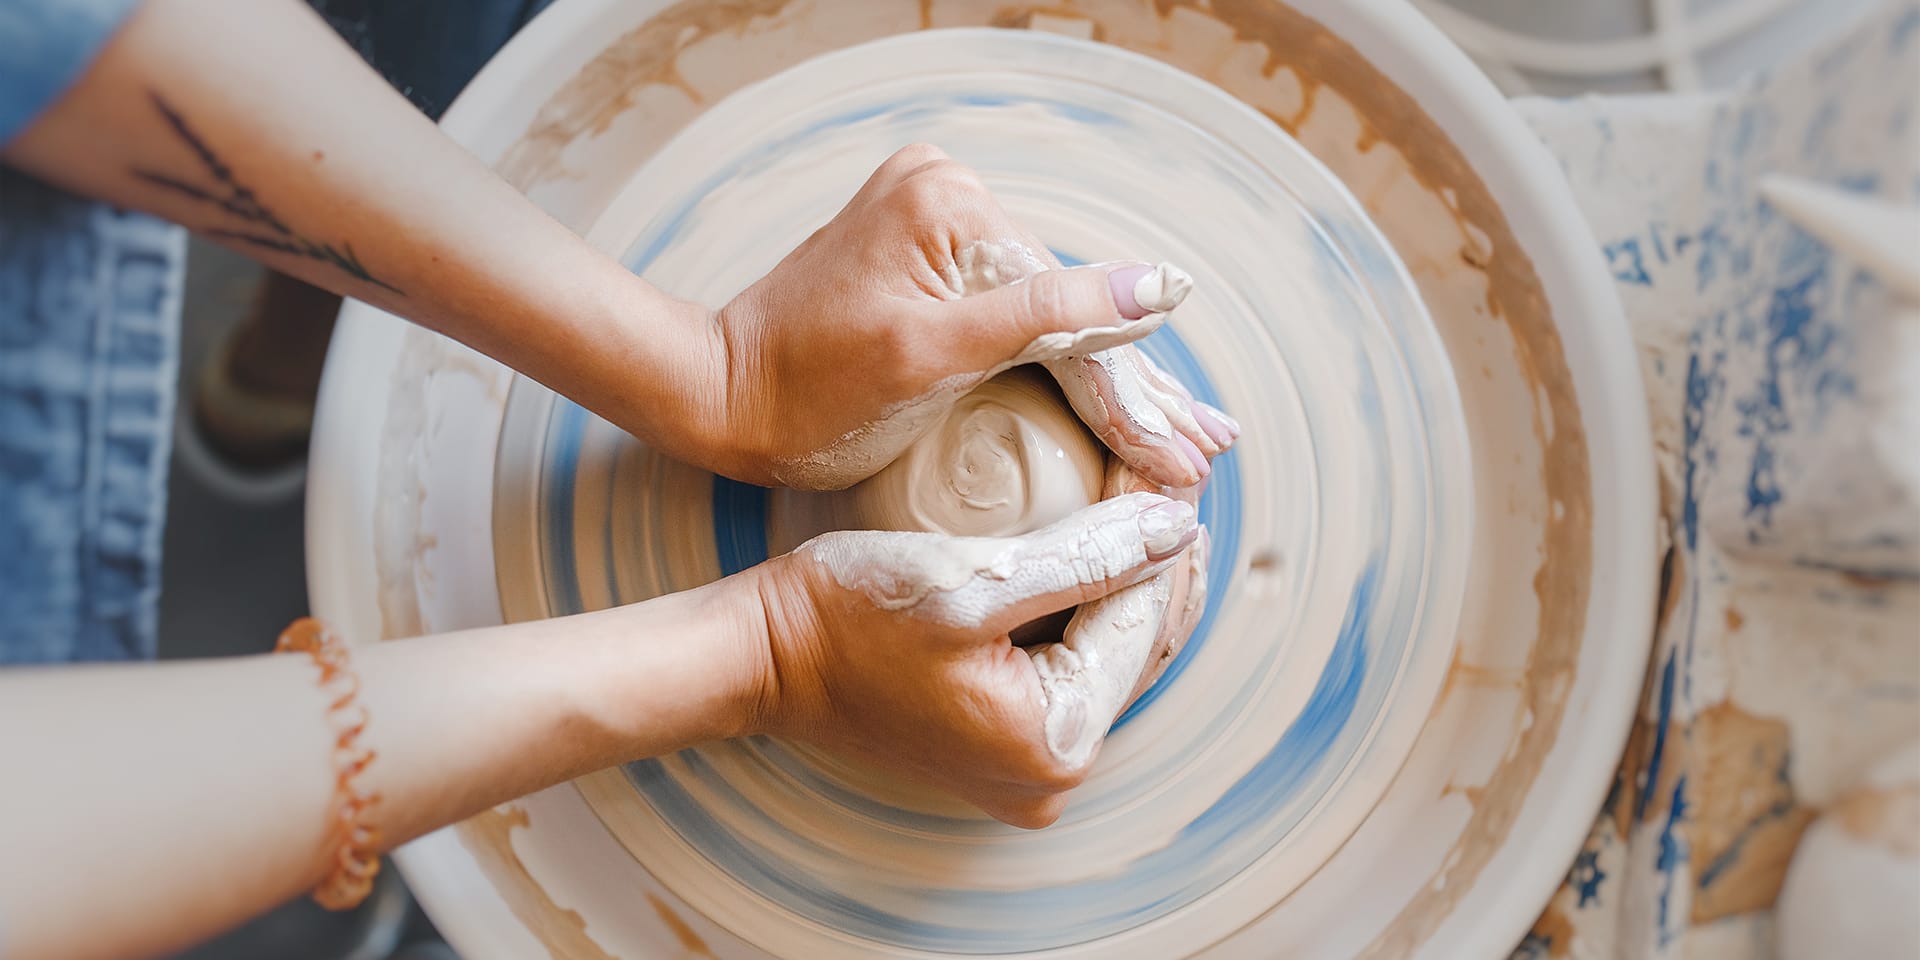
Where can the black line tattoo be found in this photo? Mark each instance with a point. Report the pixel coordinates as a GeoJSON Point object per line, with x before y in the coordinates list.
{"type": "Point", "coordinates": [259, 227]}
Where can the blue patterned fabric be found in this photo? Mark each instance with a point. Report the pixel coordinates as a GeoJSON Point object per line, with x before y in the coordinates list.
{"type": "Point", "coordinates": [44, 47]}
{"type": "Point", "coordinates": [89, 311]}
{"type": "Point", "coordinates": [89, 330]}
{"type": "Point", "coordinates": [89, 340]}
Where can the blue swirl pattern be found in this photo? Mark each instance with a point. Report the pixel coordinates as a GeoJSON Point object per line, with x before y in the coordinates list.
{"type": "Point", "coordinates": [1390, 406]}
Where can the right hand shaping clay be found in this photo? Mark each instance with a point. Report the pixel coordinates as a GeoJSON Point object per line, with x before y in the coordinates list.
{"type": "Point", "coordinates": [1005, 460]}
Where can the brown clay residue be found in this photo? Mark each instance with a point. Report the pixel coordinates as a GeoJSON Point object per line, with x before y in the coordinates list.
{"type": "Point", "coordinates": [1743, 821]}
{"type": "Point", "coordinates": [1020, 17]}
{"type": "Point", "coordinates": [1389, 115]}
{"type": "Point", "coordinates": [1734, 620]}
{"type": "Point", "coordinates": [1866, 581]}
{"type": "Point", "coordinates": [1885, 817]}
{"type": "Point", "coordinates": [1514, 296]}
{"type": "Point", "coordinates": [1464, 674]}
{"type": "Point", "coordinates": [1309, 92]}
{"type": "Point", "coordinates": [1476, 255]}
{"type": "Point", "coordinates": [604, 89]}
{"type": "Point", "coordinates": [690, 941]}
{"type": "Point", "coordinates": [489, 837]}
{"type": "Point", "coordinates": [1553, 930]}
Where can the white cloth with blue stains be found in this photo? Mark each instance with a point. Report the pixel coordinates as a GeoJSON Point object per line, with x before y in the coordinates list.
{"type": "Point", "coordinates": [1784, 664]}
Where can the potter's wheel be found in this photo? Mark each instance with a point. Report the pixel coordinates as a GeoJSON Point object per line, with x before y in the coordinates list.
{"type": "Point", "coordinates": [1340, 523]}
{"type": "Point", "coordinates": [1368, 744]}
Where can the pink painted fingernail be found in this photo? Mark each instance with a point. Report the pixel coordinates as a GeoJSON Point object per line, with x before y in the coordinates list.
{"type": "Point", "coordinates": [1140, 290]}
{"type": "Point", "coordinates": [1167, 528]}
{"type": "Point", "coordinates": [1192, 452]}
{"type": "Point", "coordinates": [1222, 428]}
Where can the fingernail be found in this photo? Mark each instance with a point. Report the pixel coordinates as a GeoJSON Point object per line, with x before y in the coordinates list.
{"type": "Point", "coordinates": [1167, 529]}
{"type": "Point", "coordinates": [1218, 425]}
{"type": "Point", "coordinates": [1139, 290]}
{"type": "Point", "coordinates": [1192, 452]}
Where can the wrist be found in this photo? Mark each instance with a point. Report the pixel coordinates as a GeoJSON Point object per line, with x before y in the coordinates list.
{"type": "Point", "coordinates": [689, 668]}
{"type": "Point", "coordinates": [738, 611]}
{"type": "Point", "coordinates": [754, 603]}
{"type": "Point", "coordinates": [708, 432]}
{"type": "Point", "coordinates": [737, 442]}
{"type": "Point", "coordinates": [790, 694]}
{"type": "Point", "coordinates": [662, 372]}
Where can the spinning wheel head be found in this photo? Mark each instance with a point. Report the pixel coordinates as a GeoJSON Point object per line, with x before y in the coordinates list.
{"type": "Point", "coordinates": [1415, 664]}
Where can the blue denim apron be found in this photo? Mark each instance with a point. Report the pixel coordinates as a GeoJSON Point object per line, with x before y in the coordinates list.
{"type": "Point", "coordinates": [89, 331]}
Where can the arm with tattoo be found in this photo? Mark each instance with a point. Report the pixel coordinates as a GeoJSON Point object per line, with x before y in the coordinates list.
{"type": "Point", "coordinates": [252, 124]}
{"type": "Point", "coordinates": [253, 223]}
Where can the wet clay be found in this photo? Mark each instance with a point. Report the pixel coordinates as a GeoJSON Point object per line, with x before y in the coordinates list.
{"type": "Point", "coordinates": [1010, 457]}
{"type": "Point", "coordinates": [1006, 459]}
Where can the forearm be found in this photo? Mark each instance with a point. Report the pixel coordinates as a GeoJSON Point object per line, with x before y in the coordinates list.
{"type": "Point", "coordinates": [479, 717]}
{"type": "Point", "coordinates": [190, 796]}
{"type": "Point", "coordinates": [253, 124]}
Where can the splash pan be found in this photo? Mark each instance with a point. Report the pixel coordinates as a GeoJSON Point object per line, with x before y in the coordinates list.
{"type": "Point", "coordinates": [1434, 558]}
{"type": "Point", "coordinates": [1342, 523]}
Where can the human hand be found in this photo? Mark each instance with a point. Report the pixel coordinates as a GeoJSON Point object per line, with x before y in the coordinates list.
{"type": "Point", "coordinates": [895, 647]}
{"type": "Point", "coordinates": [1148, 622]}
{"type": "Point", "coordinates": [918, 291]}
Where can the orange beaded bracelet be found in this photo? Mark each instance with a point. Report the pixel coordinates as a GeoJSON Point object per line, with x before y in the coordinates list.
{"type": "Point", "coordinates": [356, 859]}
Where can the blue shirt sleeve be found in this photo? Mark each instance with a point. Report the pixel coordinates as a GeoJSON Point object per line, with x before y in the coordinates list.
{"type": "Point", "coordinates": [44, 47]}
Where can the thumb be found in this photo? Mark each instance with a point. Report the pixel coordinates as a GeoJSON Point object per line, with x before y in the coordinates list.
{"type": "Point", "coordinates": [1113, 650]}
{"type": "Point", "coordinates": [1062, 313]}
{"type": "Point", "coordinates": [1089, 554]}
{"type": "Point", "coordinates": [1087, 678]}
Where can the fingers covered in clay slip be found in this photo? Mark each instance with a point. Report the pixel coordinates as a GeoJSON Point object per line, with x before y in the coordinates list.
{"type": "Point", "coordinates": [995, 584]}
{"type": "Point", "coordinates": [1146, 417]}
{"type": "Point", "coordinates": [900, 651]}
{"type": "Point", "coordinates": [1117, 645]}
